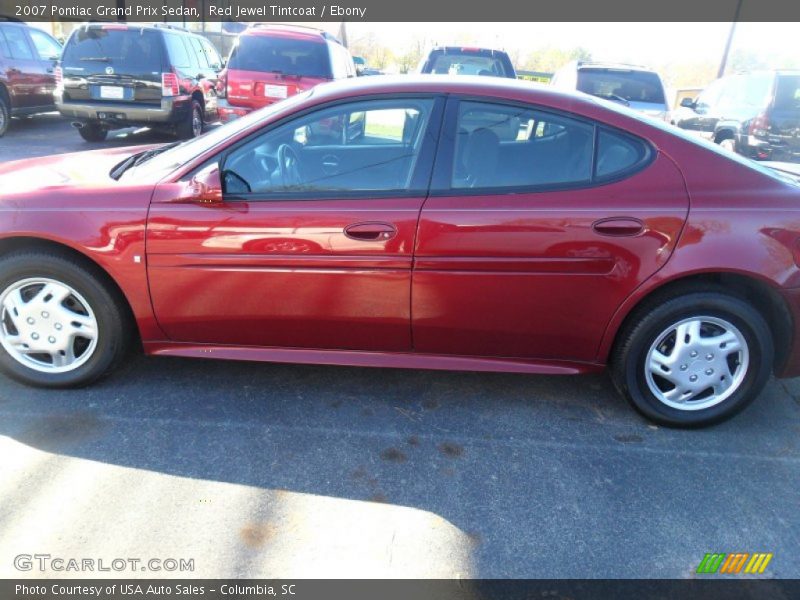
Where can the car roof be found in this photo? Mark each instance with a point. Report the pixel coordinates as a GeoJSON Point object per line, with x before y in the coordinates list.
{"type": "Point", "coordinates": [144, 26]}
{"type": "Point", "coordinates": [289, 31]}
{"type": "Point", "coordinates": [499, 87]}
{"type": "Point", "coordinates": [612, 65]}
{"type": "Point", "coordinates": [466, 48]}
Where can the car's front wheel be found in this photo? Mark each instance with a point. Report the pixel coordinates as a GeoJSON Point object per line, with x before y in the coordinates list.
{"type": "Point", "coordinates": [5, 115]}
{"type": "Point", "coordinates": [60, 324]}
{"type": "Point", "coordinates": [694, 359]}
{"type": "Point", "coordinates": [192, 124]}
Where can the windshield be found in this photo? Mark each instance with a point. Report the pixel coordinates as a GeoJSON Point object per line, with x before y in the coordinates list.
{"type": "Point", "coordinates": [303, 58]}
{"type": "Point", "coordinates": [177, 156]}
{"type": "Point", "coordinates": [631, 86]}
{"type": "Point", "coordinates": [132, 51]}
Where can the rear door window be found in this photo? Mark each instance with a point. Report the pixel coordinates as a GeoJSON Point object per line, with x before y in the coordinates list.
{"type": "Point", "coordinates": [622, 84]}
{"type": "Point", "coordinates": [128, 51]}
{"type": "Point", "coordinates": [46, 47]}
{"type": "Point", "coordinates": [4, 52]}
{"type": "Point", "coordinates": [304, 58]}
{"type": "Point", "coordinates": [18, 46]}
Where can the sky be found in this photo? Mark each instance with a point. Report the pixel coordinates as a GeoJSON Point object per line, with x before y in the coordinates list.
{"type": "Point", "coordinates": [628, 42]}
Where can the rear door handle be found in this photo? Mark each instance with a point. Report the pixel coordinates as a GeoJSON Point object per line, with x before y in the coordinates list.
{"type": "Point", "coordinates": [618, 226]}
{"type": "Point", "coordinates": [369, 232]}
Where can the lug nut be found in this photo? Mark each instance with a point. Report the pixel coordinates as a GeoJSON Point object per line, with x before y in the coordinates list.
{"type": "Point", "coordinates": [45, 314]}
{"type": "Point", "coordinates": [684, 367]}
{"type": "Point", "coordinates": [51, 339]}
{"type": "Point", "coordinates": [709, 371]}
{"type": "Point", "coordinates": [709, 357]}
{"type": "Point", "coordinates": [35, 336]}
{"type": "Point", "coordinates": [31, 320]}
{"type": "Point", "coordinates": [58, 326]}
{"type": "Point", "coordinates": [693, 353]}
{"type": "Point", "coordinates": [693, 378]}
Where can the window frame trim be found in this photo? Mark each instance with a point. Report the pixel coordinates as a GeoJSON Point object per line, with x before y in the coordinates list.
{"type": "Point", "coordinates": [420, 177]}
{"type": "Point", "coordinates": [441, 181]}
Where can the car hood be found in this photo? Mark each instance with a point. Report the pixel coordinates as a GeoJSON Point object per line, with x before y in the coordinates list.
{"type": "Point", "coordinates": [77, 169]}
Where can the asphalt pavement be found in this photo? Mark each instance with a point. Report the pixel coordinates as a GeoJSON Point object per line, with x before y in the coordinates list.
{"type": "Point", "coordinates": [269, 470]}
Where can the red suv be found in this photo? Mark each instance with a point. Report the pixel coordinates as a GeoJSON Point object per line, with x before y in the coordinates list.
{"type": "Point", "coordinates": [27, 61]}
{"type": "Point", "coordinates": [270, 62]}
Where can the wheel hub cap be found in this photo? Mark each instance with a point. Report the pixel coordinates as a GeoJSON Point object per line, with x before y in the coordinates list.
{"type": "Point", "coordinates": [697, 363]}
{"type": "Point", "coordinates": [46, 325]}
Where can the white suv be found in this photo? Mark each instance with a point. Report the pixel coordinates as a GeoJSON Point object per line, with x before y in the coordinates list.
{"type": "Point", "coordinates": [636, 87]}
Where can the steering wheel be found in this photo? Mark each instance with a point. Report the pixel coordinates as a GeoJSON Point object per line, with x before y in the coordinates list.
{"type": "Point", "coordinates": [289, 166]}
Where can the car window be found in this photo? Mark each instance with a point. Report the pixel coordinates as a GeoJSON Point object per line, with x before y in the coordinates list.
{"type": "Point", "coordinates": [178, 54]}
{"type": "Point", "coordinates": [128, 50]}
{"type": "Point", "coordinates": [4, 52]}
{"type": "Point", "coordinates": [617, 153]}
{"type": "Point", "coordinates": [787, 93]}
{"type": "Point", "coordinates": [709, 97]}
{"type": "Point", "coordinates": [17, 44]}
{"type": "Point", "coordinates": [628, 85]}
{"type": "Point", "coordinates": [304, 58]}
{"type": "Point", "coordinates": [363, 146]}
{"type": "Point", "coordinates": [507, 146]}
{"type": "Point", "coordinates": [46, 47]}
{"type": "Point", "coordinates": [454, 63]}
{"type": "Point", "coordinates": [212, 56]}
{"type": "Point", "coordinates": [199, 53]}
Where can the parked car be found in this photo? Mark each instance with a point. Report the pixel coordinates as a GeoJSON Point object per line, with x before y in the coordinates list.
{"type": "Point", "coordinates": [464, 223]}
{"type": "Point", "coordinates": [27, 61]}
{"type": "Point", "coordinates": [115, 75]}
{"type": "Point", "coordinates": [754, 114]}
{"type": "Point", "coordinates": [270, 62]}
{"type": "Point", "coordinates": [638, 88]}
{"type": "Point", "coordinates": [456, 60]}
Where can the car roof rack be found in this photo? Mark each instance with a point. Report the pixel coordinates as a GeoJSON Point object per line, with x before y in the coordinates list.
{"type": "Point", "coordinates": [171, 26]}
{"type": "Point", "coordinates": [611, 65]}
{"type": "Point", "coordinates": [308, 28]}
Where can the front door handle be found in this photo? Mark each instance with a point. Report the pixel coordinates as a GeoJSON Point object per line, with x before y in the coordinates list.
{"type": "Point", "coordinates": [370, 232]}
{"type": "Point", "coordinates": [618, 226]}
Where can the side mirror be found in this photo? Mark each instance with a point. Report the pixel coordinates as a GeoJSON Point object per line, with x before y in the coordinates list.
{"type": "Point", "coordinates": [688, 103]}
{"type": "Point", "coordinates": [205, 187]}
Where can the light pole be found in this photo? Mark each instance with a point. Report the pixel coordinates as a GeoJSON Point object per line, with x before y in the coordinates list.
{"type": "Point", "coordinates": [730, 39]}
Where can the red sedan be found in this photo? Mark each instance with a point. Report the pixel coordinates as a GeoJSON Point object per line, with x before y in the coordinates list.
{"type": "Point", "coordinates": [446, 223]}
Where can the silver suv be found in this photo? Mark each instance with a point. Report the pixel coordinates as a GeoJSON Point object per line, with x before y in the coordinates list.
{"type": "Point", "coordinates": [639, 88]}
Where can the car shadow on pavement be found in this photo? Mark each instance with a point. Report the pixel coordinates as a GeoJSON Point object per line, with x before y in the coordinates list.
{"type": "Point", "coordinates": [545, 468]}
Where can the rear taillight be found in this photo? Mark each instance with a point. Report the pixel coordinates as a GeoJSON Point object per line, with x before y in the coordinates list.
{"type": "Point", "coordinates": [759, 126]}
{"type": "Point", "coordinates": [58, 75]}
{"type": "Point", "coordinates": [169, 84]}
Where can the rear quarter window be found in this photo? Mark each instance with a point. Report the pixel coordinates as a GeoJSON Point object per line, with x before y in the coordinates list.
{"type": "Point", "coordinates": [617, 155]}
{"type": "Point", "coordinates": [787, 93]}
{"type": "Point", "coordinates": [178, 53]}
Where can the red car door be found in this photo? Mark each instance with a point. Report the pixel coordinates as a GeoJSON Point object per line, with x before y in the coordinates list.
{"type": "Point", "coordinates": [25, 75]}
{"type": "Point", "coordinates": [311, 245]}
{"type": "Point", "coordinates": [528, 243]}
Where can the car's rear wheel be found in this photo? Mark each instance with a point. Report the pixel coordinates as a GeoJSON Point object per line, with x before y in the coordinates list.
{"type": "Point", "coordinates": [5, 115]}
{"type": "Point", "coordinates": [728, 144]}
{"type": "Point", "coordinates": [60, 325]}
{"type": "Point", "coordinates": [93, 132]}
{"type": "Point", "coordinates": [694, 359]}
{"type": "Point", "coordinates": [192, 125]}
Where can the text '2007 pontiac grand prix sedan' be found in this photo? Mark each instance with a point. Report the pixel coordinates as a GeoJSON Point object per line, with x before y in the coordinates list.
{"type": "Point", "coordinates": [425, 223]}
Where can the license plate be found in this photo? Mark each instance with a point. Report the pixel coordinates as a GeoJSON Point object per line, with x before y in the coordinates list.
{"type": "Point", "coordinates": [112, 92]}
{"type": "Point", "coordinates": [275, 91]}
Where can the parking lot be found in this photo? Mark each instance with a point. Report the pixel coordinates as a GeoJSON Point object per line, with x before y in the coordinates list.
{"type": "Point", "coordinates": [259, 470]}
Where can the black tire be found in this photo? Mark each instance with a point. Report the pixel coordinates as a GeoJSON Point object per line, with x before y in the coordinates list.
{"type": "Point", "coordinates": [113, 323]}
{"type": "Point", "coordinates": [188, 127]}
{"type": "Point", "coordinates": [5, 115]}
{"type": "Point", "coordinates": [93, 132]}
{"type": "Point", "coordinates": [628, 370]}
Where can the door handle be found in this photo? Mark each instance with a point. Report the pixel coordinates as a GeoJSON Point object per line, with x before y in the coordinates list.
{"type": "Point", "coordinates": [370, 232]}
{"type": "Point", "coordinates": [618, 226]}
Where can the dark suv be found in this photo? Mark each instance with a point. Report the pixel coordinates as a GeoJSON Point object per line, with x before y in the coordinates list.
{"type": "Point", "coordinates": [456, 60]}
{"type": "Point", "coordinates": [116, 75]}
{"type": "Point", "coordinates": [27, 62]}
{"type": "Point", "coordinates": [755, 114]}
